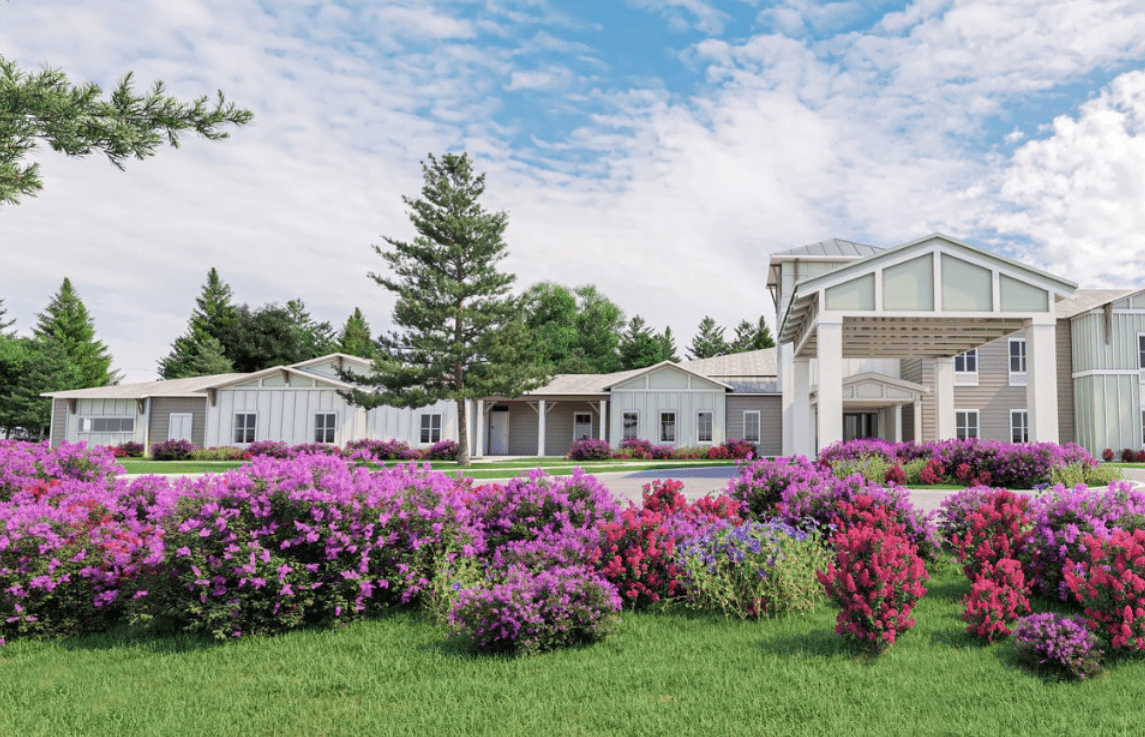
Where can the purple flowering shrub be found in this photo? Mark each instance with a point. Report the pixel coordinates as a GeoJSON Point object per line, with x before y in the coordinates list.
{"type": "Point", "coordinates": [269, 449]}
{"type": "Point", "coordinates": [760, 485]}
{"type": "Point", "coordinates": [443, 450]}
{"type": "Point", "coordinates": [636, 448]}
{"type": "Point", "coordinates": [530, 611]}
{"type": "Point", "coordinates": [23, 464]}
{"type": "Point", "coordinates": [590, 449]}
{"type": "Point", "coordinates": [382, 450]}
{"type": "Point", "coordinates": [172, 450]}
{"type": "Point", "coordinates": [1058, 644]}
{"type": "Point", "coordinates": [130, 449]}
{"type": "Point", "coordinates": [756, 569]}
{"type": "Point", "coordinates": [1062, 516]}
{"type": "Point", "coordinates": [326, 449]}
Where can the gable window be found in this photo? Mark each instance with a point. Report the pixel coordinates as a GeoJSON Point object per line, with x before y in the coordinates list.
{"type": "Point", "coordinates": [324, 427]}
{"type": "Point", "coordinates": [1019, 426]}
{"type": "Point", "coordinates": [1017, 361]}
{"type": "Point", "coordinates": [667, 427]}
{"type": "Point", "coordinates": [966, 423]}
{"type": "Point", "coordinates": [966, 368]}
{"type": "Point", "coordinates": [751, 426]}
{"type": "Point", "coordinates": [107, 424]}
{"type": "Point", "coordinates": [244, 427]}
{"type": "Point", "coordinates": [704, 427]}
{"type": "Point", "coordinates": [430, 428]}
{"type": "Point", "coordinates": [631, 426]}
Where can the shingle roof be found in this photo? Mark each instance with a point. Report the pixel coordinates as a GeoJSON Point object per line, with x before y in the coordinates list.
{"type": "Point", "coordinates": [740, 386]}
{"type": "Point", "coordinates": [752, 363]}
{"type": "Point", "coordinates": [582, 383]}
{"type": "Point", "coordinates": [1085, 300]}
{"type": "Point", "coordinates": [832, 247]}
{"type": "Point", "coordinates": [194, 386]}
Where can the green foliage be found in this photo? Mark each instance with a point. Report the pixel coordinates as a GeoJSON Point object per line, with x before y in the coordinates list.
{"type": "Point", "coordinates": [459, 332]}
{"type": "Point", "coordinates": [574, 330]}
{"type": "Point", "coordinates": [640, 347]}
{"type": "Point", "coordinates": [77, 121]}
{"type": "Point", "coordinates": [871, 467]}
{"type": "Point", "coordinates": [4, 325]}
{"type": "Point", "coordinates": [1082, 473]}
{"type": "Point", "coordinates": [751, 337]}
{"type": "Point", "coordinates": [273, 335]}
{"type": "Point", "coordinates": [67, 322]}
{"type": "Point", "coordinates": [28, 367]}
{"type": "Point", "coordinates": [709, 341]}
{"type": "Point", "coordinates": [200, 351]}
{"type": "Point", "coordinates": [355, 339]}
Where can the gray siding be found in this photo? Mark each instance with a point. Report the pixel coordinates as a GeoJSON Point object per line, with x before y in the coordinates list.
{"type": "Point", "coordinates": [1091, 352]}
{"type": "Point", "coordinates": [1110, 406]}
{"type": "Point", "coordinates": [993, 397]}
{"type": "Point", "coordinates": [163, 407]}
{"type": "Point", "coordinates": [60, 419]}
{"type": "Point", "coordinates": [770, 421]}
{"type": "Point", "coordinates": [1067, 424]}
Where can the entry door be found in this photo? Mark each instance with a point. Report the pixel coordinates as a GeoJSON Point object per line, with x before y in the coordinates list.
{"type": "Point", "coordinates": [860, 425]}
{"type": "Point", "coordinates": [582, 426]}
{"type": "Point", "coordinates": [499, 432]}
{"type": "Point", "coordinates": [179, 427]}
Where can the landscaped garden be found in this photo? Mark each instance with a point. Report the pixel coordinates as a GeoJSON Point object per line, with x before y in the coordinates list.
{"type": "Point", "coordinates": [307, 594]}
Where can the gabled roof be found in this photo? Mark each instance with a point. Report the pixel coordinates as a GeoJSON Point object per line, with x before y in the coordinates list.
{"type": "Point", "coordinates": [669, 364]}
{"type": "Point", "coordinates": [1087, 299]}
{"type": "Point", "coordinates": [195, 386]}
{"type": "Point", "coordinates": [596, 384]}
{"type": "Point", "coordinates": [830, 248]}
{"type": "Point", "coordinates": [750, 363]}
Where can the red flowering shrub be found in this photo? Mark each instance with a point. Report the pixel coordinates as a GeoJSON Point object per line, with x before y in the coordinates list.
{"type": "Point", "coordinates": [932, 473]}
{"type": "Point", "coordinates": [895, 475]}
{"type": "Point", "coordinates": [1111, 587]}
{"type": "Point", "coordinates": [1140, 456]}
{"type": "Point", "coordinates": [963, 472]}
{"type": "Point", "coordinates": [718, 452]}
{"type": "Point", "coordinates": [998, 595]}
{"type": "Point", "coordinates": [876, 577]}
{"type": "Point", "coordinates": [1107, 455]}
{"type": "Point", "coordinates": [1127, 455]}
{"type": "Point", "coordinates": [998, 530]}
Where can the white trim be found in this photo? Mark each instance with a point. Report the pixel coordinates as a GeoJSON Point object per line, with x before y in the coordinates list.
{"type": "Point", "coordinates": [1025, 425]}
{"type": "Point", "coordinates": [1017, 378]}
{"type": "Point", "coordinates": [711, 426]}
{"type": "Point", "coordinates": [635, 436]}
{"type": "Point", "coordinates": [83, 420]}
{"type": "Point", "coordinates": [675, 426]}
{"type": "Point", "coordinates": [421, 428]}
{"type": "Point", "coordinates": [977, 423]}
{"type": "Point", "coordinates": [964, 377]}
{"type": "Point", "coordinates": [758, 425]}
{"type": "Point", "coordinates": [180, 414]}
{"type": "Point", "coordinates": [234, 426]}
{"type": "Point", "coordinates": [1105, 372]}
{"type": "Point", "coordinates": [1140, 351]}
{"type": "Point", "coordinates": [314, 424]}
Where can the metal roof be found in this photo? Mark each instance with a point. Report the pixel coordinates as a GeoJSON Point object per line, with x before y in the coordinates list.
{"type": "Point", "coordinates": [832, 248]}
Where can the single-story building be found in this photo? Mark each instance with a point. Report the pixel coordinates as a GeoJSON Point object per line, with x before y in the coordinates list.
{"type": "Point", "coordinates": [931, 339]}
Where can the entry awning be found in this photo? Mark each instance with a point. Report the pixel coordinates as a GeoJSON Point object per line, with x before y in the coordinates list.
{"type": "Point", "coordinates": [872, 390]}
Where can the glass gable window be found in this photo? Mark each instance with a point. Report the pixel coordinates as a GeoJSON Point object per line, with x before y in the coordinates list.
{"type": "Point", "coordinates": [244, 427]}
{"type": "Point", "coordinates": [667, 427]}
{"type": "Point", "coordinates": [966, 424]}
{"type": "Point", "coordinates": [324, 427]}
{"type": "Point", "coordinates": [1019, 426]}
{"type": "Point", "coordinates": [704, 427]}
{"type": "Point", "coordinates": [751, 426]}
{"type": "Point", "coordinates": [430, 428]}
{"type": "Point", "coordinates": [631, 426]}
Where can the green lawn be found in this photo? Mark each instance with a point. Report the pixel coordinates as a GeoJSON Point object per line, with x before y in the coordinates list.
{"type": "Point", "coordinates": [672, 673]}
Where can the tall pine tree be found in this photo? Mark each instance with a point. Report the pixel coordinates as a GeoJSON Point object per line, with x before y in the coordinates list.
{"type": "Point", "coordinates": [66, 321]}
{"type": "Point", "coordinates": [41, 364]}
{"type": "Point", "coordinates": [460, 335]}
{"type": "Point", "coordinates": [354, 339]}
{"type": "Point", "coordinates": [5, 324]}
{"type": "Point", "coordinates": [709, 341]}
{"type": "Point", "coordinates": [201, 351]}
{"type": "Point", "coordinates": [640, 347]}
{"type": "Point", "coordinates": [751, 337]}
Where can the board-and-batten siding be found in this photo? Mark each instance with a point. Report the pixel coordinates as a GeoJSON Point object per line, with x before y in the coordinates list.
{"type": "Point", "coordinates": [163, 407]}
{"type": "Point", "coordinates": [282, 414]}
{"type": "Point", "coordinates": [770, 421]}
{"type": "Point", "coordinates": [669, 390]}
{"type": "Point", "coordinates": [60, 418]}
{"type": "Point", "coordinates": [397, 423]}
{"type": "Point", "coordinates": [994, 397]}
{"type": "Point", "coordinates": [1067, 426]}
{"type": "Point", "coordinates": [1091, 352]}
{"type": "Point", "coordinates": [1107, 411]}
{"type": "Point", "coordinates": [106, 408]}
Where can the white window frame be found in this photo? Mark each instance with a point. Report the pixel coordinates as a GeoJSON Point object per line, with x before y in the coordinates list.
{"type": "Point", "coordinates": [424, 431]}
{"type": "Point", "coordinates": [1017, 378]}
{"type": "Point", "coordinates": [576, 422]}
{"type": "Point", "coordinates": [674, 426]}
{"type": "Point", "coordinates": [331, 431]}
{"type": "Point", "coordinates": [624, 425]}
{"type": "Point", "coordinates": [758, 426]}
{"type": "Point", "coordinates": [1141, 351]}
{"type": "Point", "coordinates": [1020, 421]}
{"type": "Point", "coordinates": [964, 376]}
{"type": "Point", "coordinates": [87, 424]}
{"type": "Point", "coordinates": [962, 429]}
{"type": "Point", "coordinates": [251, 431]}
{"type": "Point", "coordinates": [171, 424]}
{"type": "Point", "coordinates": [700, 426]}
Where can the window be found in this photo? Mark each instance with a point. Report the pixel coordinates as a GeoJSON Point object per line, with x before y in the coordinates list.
{"type": "Point", "coordinates": [430, 428]}
{"type": "Point", "coordinates": [1017, 361]}
{"type": "Point", "coordinates": [704, 427]}
{"type": "Point", "coordinates": [631, 426]}
{"type": "Point", "coordinates": [966, 368]}
{"type": "Point", "coordinates": [1019, 426]}
{"type": "Point", "coordinates": [107, 424]}
{"type": "Point", "coordinates": [966, 423]}
{"type": "Point", "coordinates": [1141, 351]}
{"type": "Point", "coordinates": [751, 430]}
{"type": "Point", "coordinates": [244, 427]}
{"type": "Point", "coordinates": [667, 427]}
{"type": "Point", "coordinates": [324, 427]}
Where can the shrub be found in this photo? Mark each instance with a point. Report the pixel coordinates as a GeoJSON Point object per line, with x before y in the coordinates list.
{"type": "Point", "coordinates": [130, 449]}
{"type": "Point", "coordinates": [998, 594]}
{"type": "Point", "coordinates": [443, 450]}
{"type": "Point", "coordinates": [741, 449]}
{"type": "Point", "coordinates": [224, 453]}
{"type": "Point", "coordinates": [872, 468]}
{"type": "Point", "coordinates": [998, 530]}
{"type": "Point", "coordinates": [876, 578]}
{"type": "Point", "coordinates": [269, 449]}
{"type": "Point", "coordinates": [756, 569]}
{"type": "Point", "coordinates": [1058, 644]}
{"type": "Point", "coordinates": [636, 448]}
{"type": "Point", "coordinates": [23, 464]}
{"type": "Point", "coordinates": [1081, 473]}
{"type": "Point", "coordinates": [760, 485]}
{"type": "Point", "coordinates": [1107, 455]}
{"type": "Point", "coordinates": [325, 449]}
{"type": "Point", "coordinates": [1127, 455]}
{"type": "Point", "coordinates": [1109, 581]}
{"type": "Point", "coordinates": [933, 472]}
{"type": "Point", "coordinates": [663, 452]}
{"type": "Point", "coordinates": [1139, 457]}
{"type": "Point", "coordinates": [895, 475]}
{"type": "Point", "coordinates": [590, 449]}
{"type": "Point", "coordinates": [719, 452]}
{"type": "Point", "coordinates": [689, 452]}
{"type": "Point", "coordinates": [172, 450]}
{"type": "Point", "coordinates": [534, 611]}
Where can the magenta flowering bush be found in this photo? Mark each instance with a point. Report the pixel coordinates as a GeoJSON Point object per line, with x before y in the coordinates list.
{"type": "Point", "coordinates": [1058, 644]}
{"type": "Point", "coordinates": [999, 594]}
{"type": "Point", "coordinates": [382, 450]}
{"type": "Point", "coordinates": [172, 450]}
{"type": "Point", "coordinates": [443, 450]}
{"type": "Point", "coordinates": [269, 449]}
{"type": "Point", "coordinates": [590, 449]}
{"type": "Point", "coordinates": [761, 484]}
{"type": "Point", "coordinates": [23, 463]}
{"type": "Point", "coordinates": [1109, 582]}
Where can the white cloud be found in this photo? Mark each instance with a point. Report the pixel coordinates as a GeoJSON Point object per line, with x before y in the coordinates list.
{"type": "Point", "coordinates": [684, 15]}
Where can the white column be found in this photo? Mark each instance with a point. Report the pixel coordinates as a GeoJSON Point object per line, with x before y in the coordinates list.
{"type": "Point", "coordinates": [917, 421]}
{"type": "Point", "coordinates": [898, 423]}
{"type": "Point", "coordinates": [541, 427]}
{"type": "Point", "coordinates": [800, 410]}
{"type": "Point", "coordinates": [830, 355]}
{"type": "Point", "coordinates": [1041, 380]}
{"type": "Point", "coordinates": [787, 420]}
{"type": "Point", "coordinates": [602, 431]}
{"type": "Point", "coordinates": [479, 435]}
{"type": "Point", "coordinates": [944, 393]}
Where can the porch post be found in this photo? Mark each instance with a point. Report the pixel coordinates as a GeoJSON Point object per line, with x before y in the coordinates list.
{"type": "Point", "coordinates": [800, 414]}
{"type": "Point", "coordinates": [1041, 380]}
{"type": "Point", "coordinates": [787, 417]}
{"type": "Point", "coordinates": [898, 423]}
{"type": "Point", "coordinates": [479, 434]}
{"type": "Point", "coordinates": [917, 421]}
{"type": "Point", "coordinates": [541, 427]}
{"type": "Point", "coordinates": [601, 432]}
{"type": "Point", "coordinates": [944, 393]}
{"type": "Point", "coordinates": [830, 355]}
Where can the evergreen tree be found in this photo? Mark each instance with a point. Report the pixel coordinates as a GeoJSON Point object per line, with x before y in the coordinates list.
{"type": "Point", "coordinates": [35, 365]}
{"type": "Point", "coordinates": [640, 348]}
{"type": "Point", "coordinates": [460, 333]}
{"type": "Point", "coordinates": [200, 351]}
{"type": "Point", "coordinates": [751, 337]}
{"type": "Point", "coordinates": [4, 325]}
{"type": "Point", "coordinates": [66, 320]}
{"type": "Point", "coordinates": [315, 338]}
{"type": "Point", "coordinates": [709, 341]}
{"type": "Point", "coordinates": [77, 121]}
{"type": "Point", "coordinates": [599, 322]}
{"type": "Point", "coordinates": [354, 338]}
{"type": "Point", "coordinates": [214, 314]}
{"type": "Point", "coordinates": [667, 345]}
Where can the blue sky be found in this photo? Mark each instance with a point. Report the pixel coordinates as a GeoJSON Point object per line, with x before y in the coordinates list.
{"type": "Point", "coordinates": [660, 150]}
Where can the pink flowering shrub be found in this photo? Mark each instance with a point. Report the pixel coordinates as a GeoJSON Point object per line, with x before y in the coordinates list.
{"type": "Point", "coordinates": [999, 594]}
{"type": "Point", "coordinates": [590, 449]}
{"type": "Point", "coordinates": [172, 450]}
{"type": "Point", "coordinates": [1107, 455]}
{"type": "Point", "coordinates": [876, 577]}
{"type": "Point", "coordinates": [1109, 581]}
{"type": "Point", "coordinates": [382, 450]}
{"type": "Point", "coordinates": [895, 475]}
{"type": "Point", "coordinates": [761, 484]}
{"type": "Point", "coordinates": [932, 473]}
{"type": "Point", "coordinates": [24, 463]}
{"type": "Point", "coordinates": [529, 611]}
{"type": "Point", "coordinates": [998, 530]}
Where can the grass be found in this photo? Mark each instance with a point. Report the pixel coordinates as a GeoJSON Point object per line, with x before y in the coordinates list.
{"type": "Point", "coordinates": [673, 672]}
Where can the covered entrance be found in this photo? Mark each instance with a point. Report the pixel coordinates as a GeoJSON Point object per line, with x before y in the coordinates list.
{"type": "Point", "coordinates": [857, 425]}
